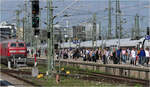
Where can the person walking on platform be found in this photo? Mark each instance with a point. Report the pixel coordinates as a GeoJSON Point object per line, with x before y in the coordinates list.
{"type": "Point", "coordinates": [118, 55]}
{"type": "Point", "coordinates": [32, 52]}
{"type": "Point", "coordinates": [104, 56]}
{"type": "Point", "coordinates": [114, 56]}
{"type": "Point", "coordinates": [100, 55]}
{"type": "Point", "coordinates": [137, 57]}
{"type": "Point", "coordinates": [90, 58]}
{"type": "Point", "coordinates": [97, 55]}
{"type": "Point", "coordinates": [147, 52]}
{"type": "Point", "coordinates": [128, 53]}
{"type": "Point", "coordinates": [107, 55]}
{"type": "Point", "coordinates": [93, 56]}
{"type": "Point", "coordinates": [87, 54]}
{"type": "Point", "coordinates": [142, 57]}
{"type": "Point", "coordinates": [123, 52]}
{"type": "Point", "coordinates": [39, 52]}
{"type": "Point", "coordinates": [133, 57]}
{"type": "Point", "coordinates": [84, 56]}
{"type": "Point", "coordinates": [45, 52]}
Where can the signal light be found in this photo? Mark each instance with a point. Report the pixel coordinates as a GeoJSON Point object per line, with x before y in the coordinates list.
{"type": "Point", "coordinates": [35, 7]}
{"type": "Point", "coordinates": [35, 13]}
{"type": "Point", "coordinates": [35, 22]}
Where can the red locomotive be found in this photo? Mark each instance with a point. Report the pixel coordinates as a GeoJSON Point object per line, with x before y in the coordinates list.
{"type": "Point", "coordinates": [14, 51]}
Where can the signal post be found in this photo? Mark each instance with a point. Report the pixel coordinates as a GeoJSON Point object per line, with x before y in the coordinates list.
{"type": "Point", "coordinates": [35, 20]}
{"type": "Point", "coordinates": [35, 26]}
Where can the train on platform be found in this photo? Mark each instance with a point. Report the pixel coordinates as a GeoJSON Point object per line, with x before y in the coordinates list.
{"type": "Point", "coordinates": [111, 43]}
{"type": "Point", "coordinates": [13, 51]}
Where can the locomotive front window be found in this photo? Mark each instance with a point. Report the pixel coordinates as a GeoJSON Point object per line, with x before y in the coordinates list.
{"type": "Point", "coordinates": [13, 45]}
{"type": "Point", "coordinates": [21, 44]}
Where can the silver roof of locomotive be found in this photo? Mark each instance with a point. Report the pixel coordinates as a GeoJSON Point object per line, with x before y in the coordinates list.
{"type": "Point", "coordinates": [12, 40]}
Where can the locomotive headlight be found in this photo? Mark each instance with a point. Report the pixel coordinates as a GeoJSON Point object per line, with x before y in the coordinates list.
{"type": "Point", "coordinates": [22, 51]}
{"type": "Point", "coordinates": [12, 51]}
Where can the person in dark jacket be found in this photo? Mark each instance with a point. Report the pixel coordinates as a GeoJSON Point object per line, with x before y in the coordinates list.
{"type": "Point", "coordinates": [142, 56]}
{"type": "Point", "coordinates": [118, 55]}
{"type": "Point", "coordinates": [104, 56]}
{"type": "Point", "coordinates": [97, 55]}
{"type": "Point", "coordinates": [114, 58]}
{"type": "Point", "coordinates": [32, 52]}
{"type": "Point", "coordinates": [39, 52]}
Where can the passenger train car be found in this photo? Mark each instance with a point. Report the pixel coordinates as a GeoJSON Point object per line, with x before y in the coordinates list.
{"type": "Point", "coordinates": [124, 43]}
{"type": "Point", "coordinates": [14, 51]}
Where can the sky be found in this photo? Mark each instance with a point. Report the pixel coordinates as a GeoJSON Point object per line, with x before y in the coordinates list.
{"type": "Point", "coordinates": [82, 11]}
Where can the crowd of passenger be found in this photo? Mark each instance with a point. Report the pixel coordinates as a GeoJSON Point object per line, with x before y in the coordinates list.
{"type": "Point", "coordinates": [132, 56]}
{"type": "Point", "coordinates": [106, 56]}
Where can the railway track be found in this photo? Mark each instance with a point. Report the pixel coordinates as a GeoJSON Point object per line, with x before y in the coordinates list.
{"type": "Point", "coordinates": [90, 76]}
{"type": "Point", "coordinates": [16, 73]}
{"type": "Point", "coordinates": [107, 77]}
{"type": "Point", "coordinates": [114, 78]}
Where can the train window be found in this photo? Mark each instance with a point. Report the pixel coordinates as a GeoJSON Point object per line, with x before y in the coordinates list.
{"type": "Point", "coordinates": [13, 45]}
{"type": "Point", "coordinates": [21, 44]}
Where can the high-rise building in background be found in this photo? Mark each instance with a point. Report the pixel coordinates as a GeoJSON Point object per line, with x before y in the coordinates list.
{"type": "Point", "coordinates": [79, 33]}
{"type": "Point", "coordinates": [89, 29]}
{"type": "Point", "coordinates": [7, 30]}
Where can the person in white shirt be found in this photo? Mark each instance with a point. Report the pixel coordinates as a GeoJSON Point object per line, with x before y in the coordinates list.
{"type": "Point", "coordinates": [133, 56]}
{"type": "Point", "coordinates": [147, 53]}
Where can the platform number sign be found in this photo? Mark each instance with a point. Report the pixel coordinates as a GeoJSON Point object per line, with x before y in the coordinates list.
{"type": "Point", "coordinates": [147, 37]}
{"type": "Point", "coordinates": [75, 41]}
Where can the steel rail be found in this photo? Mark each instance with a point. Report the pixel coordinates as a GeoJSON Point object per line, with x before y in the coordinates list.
{"type": "Point", "coordinates": [12, 72]}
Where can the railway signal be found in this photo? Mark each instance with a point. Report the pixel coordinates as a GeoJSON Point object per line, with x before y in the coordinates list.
{"type": "Point", "coordinates": [35, 25]}
{"type": "Point", "coordinates": [35, 22]}
{"type": "Point", "coordinates": [35, 13]}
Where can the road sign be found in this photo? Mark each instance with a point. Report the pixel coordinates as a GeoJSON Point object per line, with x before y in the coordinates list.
{"type": "Point", "coordinates": [147, 37]}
